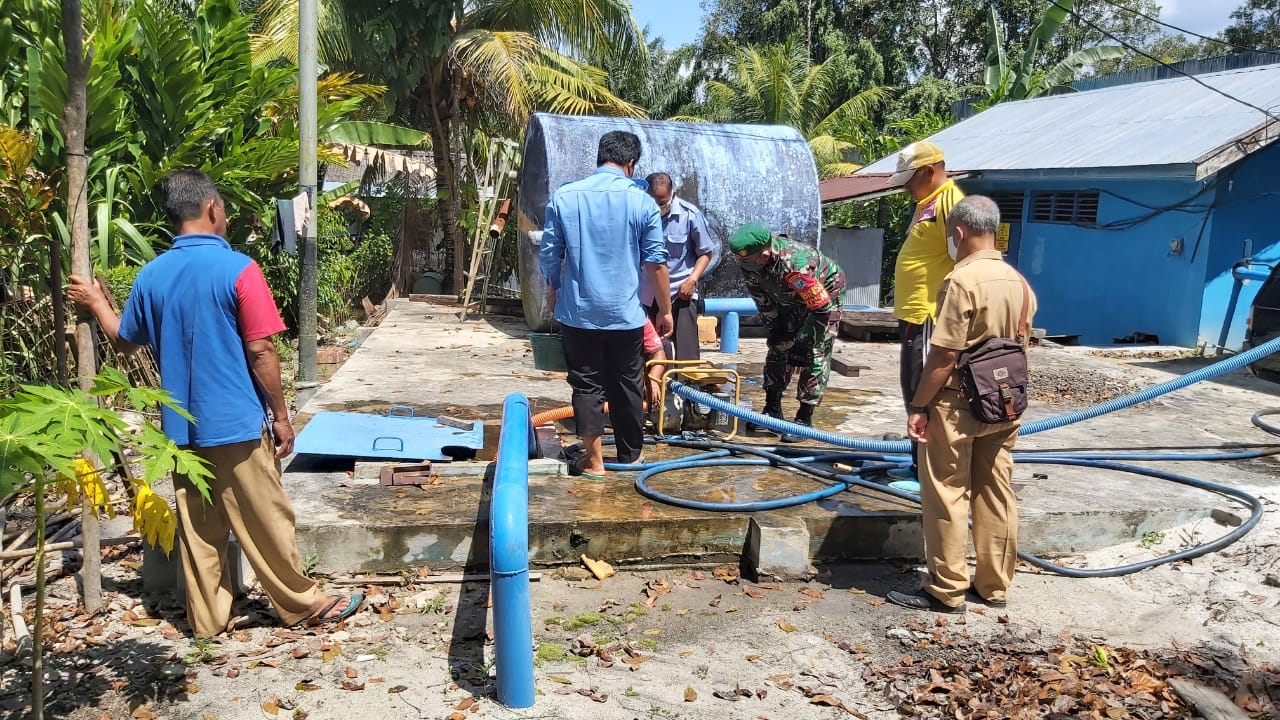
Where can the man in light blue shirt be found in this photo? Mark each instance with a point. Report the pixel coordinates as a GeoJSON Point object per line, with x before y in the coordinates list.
{"type": "Point", "coordinates": [597, 235]}
{"type": "Point", "coordinates": [689, 252]}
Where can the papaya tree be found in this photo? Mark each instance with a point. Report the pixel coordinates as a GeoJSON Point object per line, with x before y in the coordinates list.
{"type": "Point", "coordinates": [46, 434]}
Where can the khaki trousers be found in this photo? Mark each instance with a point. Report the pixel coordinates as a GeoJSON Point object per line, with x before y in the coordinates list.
{"type": "Point", "coordinates": [247, 499]}
{"type": "Point", "coordinates": [965, 467]}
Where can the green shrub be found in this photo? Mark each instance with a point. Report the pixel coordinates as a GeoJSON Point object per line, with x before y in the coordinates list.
{"type": "Point", "coordinates": [372, 265]}
{"type": "Point", "coordinates": [119, 280]}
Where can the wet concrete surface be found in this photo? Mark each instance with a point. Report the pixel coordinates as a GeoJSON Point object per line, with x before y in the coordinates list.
{"type": "Point", "coordinates": [423, 357]}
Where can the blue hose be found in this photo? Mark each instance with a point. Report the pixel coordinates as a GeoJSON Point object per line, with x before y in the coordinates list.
{"type": "Point", "coordinates": [889, 454]}
{"type": "Point", "coordinates": [1235, 362]}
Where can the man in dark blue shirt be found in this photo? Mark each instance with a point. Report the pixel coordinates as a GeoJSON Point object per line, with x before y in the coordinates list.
{"type": "Point", "coordinates": [598, 233]}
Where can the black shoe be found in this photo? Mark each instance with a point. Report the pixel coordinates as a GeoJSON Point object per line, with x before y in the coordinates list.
{"type": "Point", "coordinates": [787, 437]}
{"type": "Point", "coordinates": [922, 601]}
{"type": "Point", "coordinates": [754, 429]}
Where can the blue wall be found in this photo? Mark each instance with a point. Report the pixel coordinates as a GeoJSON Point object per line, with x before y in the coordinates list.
{"type": "Point", "coordinates": [1245, 193]}
{"type": "Point", "coordinates": [1104, 284]}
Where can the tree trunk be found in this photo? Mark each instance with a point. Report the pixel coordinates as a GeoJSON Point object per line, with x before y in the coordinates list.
{"type": "Point", "coordinates": [434, 105]}
{"type": "Point", "coordinates": [73, 119]}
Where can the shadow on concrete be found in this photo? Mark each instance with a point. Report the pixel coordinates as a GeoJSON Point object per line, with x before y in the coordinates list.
{"type": "Point", "coordinates": [872, 578]}
{"type": "Point", "coordinates": [512, 327]}
{"type": "Point", "coordinates": [124, 672]}
{"type": "Point", "coordinates": [467, 666]}
{"type": "Point", "coordinates": [1241, 379]}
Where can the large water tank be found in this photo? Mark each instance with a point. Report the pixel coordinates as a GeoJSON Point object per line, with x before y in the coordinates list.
{"type": "Point", "coordinates": [733, 173]}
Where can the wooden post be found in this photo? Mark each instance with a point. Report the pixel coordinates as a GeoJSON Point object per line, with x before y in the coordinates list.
{"type": "Point", "coordinates": [73, 119]}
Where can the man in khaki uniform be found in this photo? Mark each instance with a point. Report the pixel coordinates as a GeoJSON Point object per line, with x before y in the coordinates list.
{"type": "Point", "coordinates": [964, 460]}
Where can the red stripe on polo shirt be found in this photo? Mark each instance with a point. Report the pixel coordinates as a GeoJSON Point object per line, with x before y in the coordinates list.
{"type": "Point", "coordinates": [256, 309]}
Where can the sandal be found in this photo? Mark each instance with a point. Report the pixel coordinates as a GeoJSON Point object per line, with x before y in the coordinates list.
{"type": "Point", "coordinates": [576, 470]}
{"type": "Point", "coordinates": [354, 601]}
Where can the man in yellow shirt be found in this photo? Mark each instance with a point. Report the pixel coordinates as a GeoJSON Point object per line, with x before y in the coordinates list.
{"type": "Point", "coordinates": [924, 260]}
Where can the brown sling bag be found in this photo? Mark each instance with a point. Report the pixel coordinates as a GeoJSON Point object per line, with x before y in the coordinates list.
{"type": "Point", "coordinates": [993, 373]}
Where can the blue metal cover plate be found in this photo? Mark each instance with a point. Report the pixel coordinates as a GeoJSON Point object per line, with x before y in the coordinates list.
{"type": "Point", "coordinates": [393, 436]}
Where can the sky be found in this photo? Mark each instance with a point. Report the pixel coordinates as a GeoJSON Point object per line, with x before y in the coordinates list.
{"type": "Point", "coordinates": [679, 21]}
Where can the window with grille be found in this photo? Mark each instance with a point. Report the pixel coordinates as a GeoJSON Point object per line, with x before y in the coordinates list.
{"type": "Point", "coordinates": [1070, 207]}
{"type": "Point", "coordinates": [1010, 204]}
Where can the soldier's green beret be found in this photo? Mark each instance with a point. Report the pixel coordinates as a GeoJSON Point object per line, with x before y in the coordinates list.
{"type": "Point", "coordinates": [749, 239]}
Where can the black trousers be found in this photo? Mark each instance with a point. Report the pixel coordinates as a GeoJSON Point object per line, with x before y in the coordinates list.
{"type": "Point", "coordinates": [684, 313]}
{"type": "Point", "coordinates": [914, 340]}
{"type": "Point", "coordinates": [607, 365]}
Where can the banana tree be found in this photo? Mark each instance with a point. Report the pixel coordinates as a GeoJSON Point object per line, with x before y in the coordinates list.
{"type": "Point", "coordinates": [1004, 82]}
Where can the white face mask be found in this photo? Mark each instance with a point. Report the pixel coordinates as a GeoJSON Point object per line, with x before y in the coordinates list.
{"type": "Point", "coordinates": [952, 249]}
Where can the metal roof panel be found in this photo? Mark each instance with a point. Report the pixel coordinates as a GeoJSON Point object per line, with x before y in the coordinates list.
{"type": "Point", "coordinates": [1164, 122]}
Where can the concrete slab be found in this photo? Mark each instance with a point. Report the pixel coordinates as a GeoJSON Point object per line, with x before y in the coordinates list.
{"type": "Point", "coordinates": [423, 357]}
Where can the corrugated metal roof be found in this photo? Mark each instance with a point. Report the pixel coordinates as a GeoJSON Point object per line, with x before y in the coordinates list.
{"type": "Point", "coordinates": [1166, 122]}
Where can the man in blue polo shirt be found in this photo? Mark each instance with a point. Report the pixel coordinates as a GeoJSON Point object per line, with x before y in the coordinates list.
{"type": "Point", "coordinates": [207, 311]}
{"type": "Point", "coordinates": [598, 233]}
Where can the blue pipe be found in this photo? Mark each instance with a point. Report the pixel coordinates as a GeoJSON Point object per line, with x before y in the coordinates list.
{"type": "Point", "coordinates": [1235, 362]}
{"type": "Point", "coordinates": [509, 556]}
{"type": "Point", "coordinates": [1251, 272]}
{"type": "Point", "coordinates": [720, 306]}
{"type": "Point", "coordinates": [730, 309]}
{"type": "Point", "coordinates": [730, 327]}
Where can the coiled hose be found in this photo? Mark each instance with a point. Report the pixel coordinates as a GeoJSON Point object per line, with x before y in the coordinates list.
{"type": "Point", "coordinates": [887, 454]}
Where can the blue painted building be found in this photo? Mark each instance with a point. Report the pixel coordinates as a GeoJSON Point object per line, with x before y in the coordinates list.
{"type": "Point", "coordinates": [1128, 206]}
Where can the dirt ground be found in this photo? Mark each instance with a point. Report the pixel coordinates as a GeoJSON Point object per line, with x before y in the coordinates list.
{"type": "Point", "coordinates": [705, 643]}
{"type": "Point", "coordinates": [700, 644]}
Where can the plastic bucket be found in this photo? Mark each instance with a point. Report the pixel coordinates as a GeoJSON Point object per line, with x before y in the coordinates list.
{"type": "Point", "coordinates": [548, 353]}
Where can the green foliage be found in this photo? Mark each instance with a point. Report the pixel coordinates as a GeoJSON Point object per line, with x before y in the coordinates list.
{"type": "Point", "coordinates": [119, 280]}
{"type": "Point", "coordinates": [665, 87]}
{"type": "Point", "coordinates": [371, 263]}
{"type": "Point", "coordinates": [159, 100]}
{"type": "Point", "coordinates": [779, 85]}
{"type": "Point", "coordinates": [1004, 82]}
{"type": "Point", "coordinates": [44, 428]}
{"type": "Point", "coordinates": [1255, 24]}
{"type": "Point", "coordinates": [345, 272]}
{"type": "Point", "coordinates": [911, 39]}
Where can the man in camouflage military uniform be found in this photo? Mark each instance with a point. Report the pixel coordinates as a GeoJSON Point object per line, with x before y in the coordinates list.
{"type": "Point", "coordinates": [797, 291]}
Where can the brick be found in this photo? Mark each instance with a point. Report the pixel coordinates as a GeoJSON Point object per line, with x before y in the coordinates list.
{"type": "Point", "coordinates": [405, 474]}
{"type": "Point", "coordinates": [778, 547]}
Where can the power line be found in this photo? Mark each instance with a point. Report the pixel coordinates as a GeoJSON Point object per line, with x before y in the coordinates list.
{"type": "Point", "coordinates": [1185, 31]}
{"type": "Point", "coordinates": [1166, 65]}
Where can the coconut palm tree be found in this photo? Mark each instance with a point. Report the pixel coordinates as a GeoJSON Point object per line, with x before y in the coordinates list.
{"type": "Point", "coordinates": [780, 85]}
{"type": "Point", "coordinates": [489, 61]}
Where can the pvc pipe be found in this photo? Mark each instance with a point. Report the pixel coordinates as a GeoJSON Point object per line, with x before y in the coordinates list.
{"type": "Point", "coordinates": [730, 309]}
{"type": "Point", "coordinates": [729, 329]}
{"type": "Point", "coordinates": [720, 306]}
{"type": "Point", "coordinates": [1251, 272]}
{"type": "Point", "coordinates": [509, 556]}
